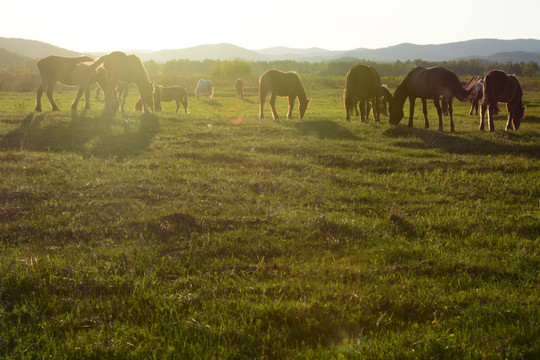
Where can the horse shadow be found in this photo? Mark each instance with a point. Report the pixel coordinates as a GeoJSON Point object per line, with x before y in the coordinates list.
{"type": "Point", "coordinates": [324, 129]}
{"type": "Point", "coordinates": [89, 136]}
{"type": "Point", "coordinates": [454, 144]}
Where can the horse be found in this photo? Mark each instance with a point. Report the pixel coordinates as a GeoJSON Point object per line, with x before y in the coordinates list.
{"type": "Point", "coordinates": [128, 69]}
{"type": "Point", "coordinates": [78, 71]}
{"type": "Point", "coordinates": [477, 93]}
{"type": "Point", "coordinates": [362, 84]}
{"type": "Point", "coordinates": [501, 87]}
{"type": "Point", "coordinates": [427, 83]}
{"type": "Point", "coordinates": [239, 86]}
{"type": "Point", "coordinates": [385, 98]}
{"type": "Point", "coordinates": [281, 83]}
{"type": "Point", "coordinates": [167, 93]}
{"type": "Point", "coordinates": [204, 90]}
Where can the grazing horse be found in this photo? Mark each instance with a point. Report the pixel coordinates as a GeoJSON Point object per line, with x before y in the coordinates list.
{"type": "Point", "coordinates": [204, 90]}
{"type": "Point", "coordinates": [78, 71]}
{"type": "Point", "coordinates": [477, 93]}
{"type": "Point", "coordinates": [167, 93]}
{"type": "Point", "coordinates": [120, 67]}
{"type": "Point", "coordinates": [430, 83]}
{"type": "Point", "coordinates": [385, 98]}
{"type": "Point", "coordinates": [239, 86]}
{"type": "Point", "coordinates": [501, 87]}
{"type": "Point", "coordinates": [281, 83]}
{"type": "Point", "coordinates": [362, 84]}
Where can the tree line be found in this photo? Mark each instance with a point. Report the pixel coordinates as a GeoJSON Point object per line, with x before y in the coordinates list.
{"type": "Point", "coordinates": [25, 76]}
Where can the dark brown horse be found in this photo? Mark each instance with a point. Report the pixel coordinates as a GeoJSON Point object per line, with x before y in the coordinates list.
{"type": "Point", "coordinates": [500, 87]}
{"type": "Point", "coordinates": [385, 99]}
{"type": "Point", "coordinates": [362, 84]}
{"type": "Point", "coordinates": [281, 83]}
{"type": "Point", "coordinates": [239, 86]}
{"type": "Point", "coordinates": [430, 83]}
{"type": "Point", "coordinates": [120, 67]}
{"type": "Point", "coordinates": [77, 71]}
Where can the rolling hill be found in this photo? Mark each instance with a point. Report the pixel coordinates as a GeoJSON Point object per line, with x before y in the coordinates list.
{"type": "Point", "coordinates": [485, 49]}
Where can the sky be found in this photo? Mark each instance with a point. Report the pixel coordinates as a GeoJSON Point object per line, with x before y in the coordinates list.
{"type": "Point", "coordinates": [108, 25]}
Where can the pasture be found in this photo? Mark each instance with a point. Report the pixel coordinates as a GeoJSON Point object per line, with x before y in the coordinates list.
{"type": "Point", "coordinates": [216, 235]}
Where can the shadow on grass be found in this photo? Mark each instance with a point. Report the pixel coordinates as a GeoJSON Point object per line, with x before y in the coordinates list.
{"type": "Point", "coordinates": [324, 129]}
{"type": "Point", "coordinates": [455, 144]}
{"type": "Point", "coordinates": [102, 136]}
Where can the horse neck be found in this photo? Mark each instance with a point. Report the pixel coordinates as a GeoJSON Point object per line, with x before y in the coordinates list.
{"type": "Point", "coordinates": [141, 77]}
{"type": "Point", "coordinates": [401, 94]}
{"type": "Point", "coordinates": [302, 96]}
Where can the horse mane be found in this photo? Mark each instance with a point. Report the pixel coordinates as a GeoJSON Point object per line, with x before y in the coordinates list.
{"type": "Point", "coordinates": [401, 92]}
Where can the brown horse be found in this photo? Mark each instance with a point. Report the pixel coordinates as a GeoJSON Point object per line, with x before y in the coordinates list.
{"type": "Point", "coordinates": [500, 87]}
{"type": "Point", "coordinates": [120, 67]}
{"type": "Point", "coordinates": [430, 83]}
{"type": "Point", "coordinates": [239, 86]}
{"type": "Point", "coordinates": [79, 71]}
{"type": "Point", "coordinates": [362, 84]}
{"type": "Point", "coordinates": [167, 93]}
{"type": "Point", "coordinates": [281, 83]}
{"type": "Point", "coordinates": [385, 98]}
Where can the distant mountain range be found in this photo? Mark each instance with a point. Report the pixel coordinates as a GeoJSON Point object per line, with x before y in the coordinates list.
{"type": "Point", "coordinates": [492, 50]}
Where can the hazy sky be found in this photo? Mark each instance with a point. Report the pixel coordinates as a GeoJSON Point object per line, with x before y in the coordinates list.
{"type": "Point", "coordinates": [107, 25]}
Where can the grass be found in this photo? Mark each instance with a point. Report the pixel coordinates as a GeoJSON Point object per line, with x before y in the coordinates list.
{"type": "Point", "coordinates": [219, 235]}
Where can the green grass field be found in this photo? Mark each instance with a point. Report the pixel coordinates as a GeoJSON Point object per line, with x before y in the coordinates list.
{"type": "Point", "coordinates": [216, 235]}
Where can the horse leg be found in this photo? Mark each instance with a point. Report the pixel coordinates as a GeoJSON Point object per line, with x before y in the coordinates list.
{"type": "Point", "coordinates": [262, 100]}
{"type": "Point", "coordinates": [125, 95]}
{"type": "Point", "coordinates": [363, 107]}
{"type": "Point", "coordinates": [87, 98]}
{"type": "Point", "coordinates": [50, 89]}
{"type": "Point", "coordinates": [492, 112]}
{"type": "Point", "coordinates": [451, 112]}
{"type": "Point", "coordinates": [376, 109]}
{"type": "Point", "coordinates": [368, 110]}
{"type": "Point", "coordinates": [291, 106]}
{"type": "Point", "coordinates": [483, 109]}
{"type": "Point", "coordinates": [77, 98]}
{"type": "Point", "coordinates": [39, 94]}
{"type": "Point", "coordinates": [273, 106]}
{"type": "Point", "coordinates": [510, 121]}
{"type": "Point", "coordinates": [439, 112]}
{"type": "Point", "coordinates": [411, 110]}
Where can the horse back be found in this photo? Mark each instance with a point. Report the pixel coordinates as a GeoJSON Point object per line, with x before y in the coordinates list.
{"type": "Point", "coordinates": [169, 93]}
{"type": "Point", "coordinates": [362, 81]}
{"type": "Point", "coordinates": [58, 68]}
{"type": "Point", "coordinates": [282, 83]}
{"type": "Point", "coordinates": [500, 87]}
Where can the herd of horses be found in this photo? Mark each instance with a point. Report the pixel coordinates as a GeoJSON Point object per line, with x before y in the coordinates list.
{"type": "Point", "coordinates": [363, 89]}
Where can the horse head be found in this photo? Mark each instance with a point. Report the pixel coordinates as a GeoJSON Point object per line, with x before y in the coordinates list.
{"type": "Point", "coordinates": [396, 113]}
{"type": "Point", "coordinates": [518, 116]}
{"type": "Point", "coordinates": [146, 90]}
{"type": "Point", "coordinates": [303, 107]}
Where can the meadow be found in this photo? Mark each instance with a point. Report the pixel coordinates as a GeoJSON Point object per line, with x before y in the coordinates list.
{"type": "Point", "coordinates": [216, 235]}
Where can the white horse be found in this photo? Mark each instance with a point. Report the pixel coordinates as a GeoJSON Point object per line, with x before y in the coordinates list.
{"type": "Point", "coordinates": [205, 90]}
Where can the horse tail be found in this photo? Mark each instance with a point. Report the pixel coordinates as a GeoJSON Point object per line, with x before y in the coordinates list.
{"type": "Point", "coordinates": [489, 97]}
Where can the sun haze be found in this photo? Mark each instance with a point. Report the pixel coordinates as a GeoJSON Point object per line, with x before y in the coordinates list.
{"type": "Point", "coordinates": [336, 25]}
